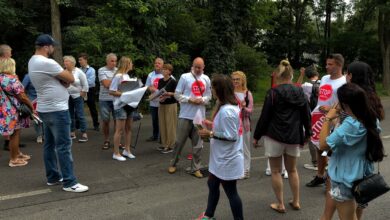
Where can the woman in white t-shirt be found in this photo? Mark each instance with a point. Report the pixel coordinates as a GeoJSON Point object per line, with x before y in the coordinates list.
{"type": "Point", "coordinates": [226, 163]}
{"type": "Point", "coordinates": [123, 112]}
{"type": "Point", "coordinates": [245, 98]}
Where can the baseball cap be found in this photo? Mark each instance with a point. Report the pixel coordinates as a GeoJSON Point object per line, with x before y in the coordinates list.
{"type": "Point", "coordinates": [44, 40]}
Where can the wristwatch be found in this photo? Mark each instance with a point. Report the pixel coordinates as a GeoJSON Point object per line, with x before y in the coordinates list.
{"type": "Point", "coordinates": [211, 134]}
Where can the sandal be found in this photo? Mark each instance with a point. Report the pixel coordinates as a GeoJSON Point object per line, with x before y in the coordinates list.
{"type": "Point", "coordinates": [106, 145]}
{"type": "Point", "coordinates": [24, 156]}
{"type": "Point", "coordinates": [17, 163]}
{"type": "Point", "coordinates": [275, 207]}
{"type": "Point", "coordinates": [295, 207]}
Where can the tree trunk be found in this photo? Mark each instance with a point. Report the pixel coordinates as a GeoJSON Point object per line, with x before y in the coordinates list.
{"type": "Point", "coordinates": [384, 39]}
{"type": "Point", "coordinates": [328, 11]}
{"type": "Point", "coordinates": [56, 29]}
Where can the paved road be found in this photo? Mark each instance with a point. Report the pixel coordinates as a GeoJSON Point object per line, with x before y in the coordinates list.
{"type": "Point", "coordinates": [142, 188]}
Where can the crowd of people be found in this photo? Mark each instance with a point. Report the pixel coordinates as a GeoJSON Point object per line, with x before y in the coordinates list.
{"type": "Point", "coordinates": [340, 124]}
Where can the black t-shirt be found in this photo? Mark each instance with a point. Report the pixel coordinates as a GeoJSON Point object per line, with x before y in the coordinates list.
{"type": "Point", "coordinates": [170, 87]}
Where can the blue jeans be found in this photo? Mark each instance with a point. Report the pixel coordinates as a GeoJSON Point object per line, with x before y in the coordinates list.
{"type": "Point", "coordinates": [106, 108]}
{"type": "Point", "coordinates": [57, 147]}
{"type": "Point", "coordinates": [76, 109]}
{"type": "Point", "coordinates": [154, 113]}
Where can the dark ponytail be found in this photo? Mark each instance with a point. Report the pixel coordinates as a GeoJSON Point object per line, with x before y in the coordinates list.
{"type": "Point", "coordinates": [355, 97]}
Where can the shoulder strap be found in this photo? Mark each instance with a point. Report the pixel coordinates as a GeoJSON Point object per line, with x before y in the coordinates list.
{"type": "Point", "coordinates": [246, 98]}
{"type": "Point", "coordinates": [8, 96]}
{"type": "Point", "coordinates": [197, 82]}
{"type": "Point", "coordinates": [169, 81]}
{"type": "Point", "coordinates": [86, 70]}
{"type": "Point", "coordinates": [314, 84]}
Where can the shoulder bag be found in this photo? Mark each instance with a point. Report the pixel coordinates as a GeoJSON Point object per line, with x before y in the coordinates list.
{"type": "Point", "coordinates": [24, 111]}
{"type": "Point", "coordinates": [369, 188]}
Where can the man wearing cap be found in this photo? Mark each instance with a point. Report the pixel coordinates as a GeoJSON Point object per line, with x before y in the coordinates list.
{"type": "Point", "coordinates": [50, 81]}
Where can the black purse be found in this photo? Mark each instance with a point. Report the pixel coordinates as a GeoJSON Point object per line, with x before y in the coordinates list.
{"type": "Point", "coordinates": [369, 188]}
{"type": "Point", "coordinates": [23, 111]}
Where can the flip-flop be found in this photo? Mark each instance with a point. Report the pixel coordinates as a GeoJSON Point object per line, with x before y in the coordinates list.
{"type": "Point", "coordinates": [276, 208]}
{"type": "Point", "coordinates": [295, 207]}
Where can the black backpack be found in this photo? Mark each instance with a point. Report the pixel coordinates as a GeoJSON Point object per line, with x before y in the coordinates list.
{"type": "Point", "coordinates": [314, 95]}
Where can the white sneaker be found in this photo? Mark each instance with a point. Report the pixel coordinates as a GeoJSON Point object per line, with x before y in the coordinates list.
{"type": "Point", "coordinates": [268, 172]}
{"type": "Point", "coordinates": [118, 158]}
{"type": "Point", "coordinates": [127, 154]}
{"type": "Point", "coordinates": [310, 166]}
{"type": "Point", "coordinates": [285, 174]}
{"type": "Point", "coordinates": [78, 188]}
{"type": "Point", "coordinates": [39, 139]}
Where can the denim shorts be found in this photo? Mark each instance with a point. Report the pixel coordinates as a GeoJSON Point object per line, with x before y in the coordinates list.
{"type": "Point", "coordinates": [106, 107]}
{"type": "Point", "coordinates": [123, 113]}
{"type": "Point", "coordinates": [340, 192]}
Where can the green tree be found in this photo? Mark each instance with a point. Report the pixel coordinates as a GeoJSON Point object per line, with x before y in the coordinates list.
{"type": "Point", "coordinates": [384, 39]}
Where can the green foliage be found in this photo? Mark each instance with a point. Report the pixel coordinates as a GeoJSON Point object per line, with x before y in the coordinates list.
{"type": "Point", "coordinates": [253, 64]}
{"type": "Point", "coordinates": [229, 34]}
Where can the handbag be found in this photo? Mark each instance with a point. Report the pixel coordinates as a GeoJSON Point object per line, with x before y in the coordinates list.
{"type": "Point", "coordinates": [369, 188]}
{"type": "Point", "coordinates": [24, 111]}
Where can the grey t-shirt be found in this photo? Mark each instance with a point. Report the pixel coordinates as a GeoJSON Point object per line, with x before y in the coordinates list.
{"type": "Point", "coordinates": [105, 73]}
{"type": "Point", "coordinates": [52, 95]}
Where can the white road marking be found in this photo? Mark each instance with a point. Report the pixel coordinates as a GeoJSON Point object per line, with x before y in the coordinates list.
{"type": "Point", "coordinates": [26, 194]}
{"type": "Point", "coordinates": [264, 157]}
{"type": "Point", "coordinates": [385, 137]}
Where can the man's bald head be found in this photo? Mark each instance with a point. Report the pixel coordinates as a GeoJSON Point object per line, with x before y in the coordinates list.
{"type": "Point", "coordinates": [198, 65]}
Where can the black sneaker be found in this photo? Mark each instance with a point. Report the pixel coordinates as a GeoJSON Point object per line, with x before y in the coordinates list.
{"type": "Point", "coordinates": [316, 182]}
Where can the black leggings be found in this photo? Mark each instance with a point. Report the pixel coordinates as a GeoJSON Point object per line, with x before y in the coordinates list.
{"type": "Point", "coordinates": [230, 187]}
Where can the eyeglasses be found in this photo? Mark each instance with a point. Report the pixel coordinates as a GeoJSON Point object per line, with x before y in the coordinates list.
{"type": "Point", "coordinates": [236, 79]}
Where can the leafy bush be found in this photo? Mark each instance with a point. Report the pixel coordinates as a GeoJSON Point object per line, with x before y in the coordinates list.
{"type": "Point", "coordinates": [253, 64]}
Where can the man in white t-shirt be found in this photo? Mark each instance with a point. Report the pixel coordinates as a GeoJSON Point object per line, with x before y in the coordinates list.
{"type": "Point", "coordinates": [311, 73]}
{"type": "Point", "coordinates": [326, 99]}
{"type": "Point", "coordinates": [193, 92]}
{"type": "Point", "coordinates": [50, 81]}
{"type": "Point", "coordinates": [106, 105]}
{"type": "Point", "coordinates": [152, 84]}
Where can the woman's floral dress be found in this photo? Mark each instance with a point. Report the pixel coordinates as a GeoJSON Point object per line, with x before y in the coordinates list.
{"type": "Point", "coordinates": [9, 118]}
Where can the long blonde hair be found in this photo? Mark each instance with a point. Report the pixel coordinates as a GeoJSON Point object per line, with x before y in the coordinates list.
{"type": "Point", "coordinates": [125, 65]}
{"type": "Point", "coordinates": [7, 66]}
{"type": "Point", "coordinates": [242, 77]}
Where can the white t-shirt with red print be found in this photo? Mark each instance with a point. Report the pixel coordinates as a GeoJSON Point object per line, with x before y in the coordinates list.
{"type": "Point", "coordinates": [187, 88]}
{"type": "Point", "coordinates": [153, 79]}
{"type": "Point", "coordinates": [327, 97]}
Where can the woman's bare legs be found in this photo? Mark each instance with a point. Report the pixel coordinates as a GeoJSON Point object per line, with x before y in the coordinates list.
{"type": "Point", "coordinates": [291, 166]}
{"type": "Point", "coordinates": [119, 129]}
{"type": "Point", "coordinates": [277, 181]}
